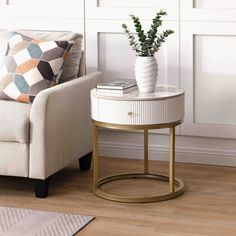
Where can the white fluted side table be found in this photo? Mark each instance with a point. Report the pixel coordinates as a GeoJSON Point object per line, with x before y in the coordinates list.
{"type": "Point", "coordinates": [139, 111]}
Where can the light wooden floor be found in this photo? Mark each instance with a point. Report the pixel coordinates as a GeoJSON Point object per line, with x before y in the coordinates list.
{"type": "Point", "coordinates": [208, 206]}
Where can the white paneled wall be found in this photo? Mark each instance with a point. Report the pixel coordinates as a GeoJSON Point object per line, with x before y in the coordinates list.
{"type": "Point", "coordinates": [200, 57]}
{"type": "Point", "coordinates": [214, 4]}
{"type": "Point", "coordinates": [214, 78]}
{"type": "Point", "coordinates": [43, 8]}
{"type": "Point", "coordinates": [113, 9]}
{"type": "Point", "coordinates": [193, 58]}
{"type": "Point", "coordinates": [208, 67]}
{"type": "Point", "coordinates": [208, 10]}
{"type": "Point", "coordinates": [42, 15]}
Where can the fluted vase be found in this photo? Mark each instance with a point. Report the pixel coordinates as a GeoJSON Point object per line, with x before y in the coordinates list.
{"type": "Point", "coordinates": [146, 73]}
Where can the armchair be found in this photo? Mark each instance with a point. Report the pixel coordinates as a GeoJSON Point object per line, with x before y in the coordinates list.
{"type": "Point", "coordinates": [39, 139]}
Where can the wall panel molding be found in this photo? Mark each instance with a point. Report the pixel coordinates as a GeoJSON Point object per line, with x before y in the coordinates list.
{"type": "Point", "coordinates": [9, 23]}
{"type": "Point", "coordinates": [184, 154]}
{"type": "Point", "coordinates": [43, 9]}
{"type": "Point", "coordinates": [215, 10]}
{"type": "Point", "coordinates": [187, 65]}
{"type": "Point", "coordinates": [114, 9]}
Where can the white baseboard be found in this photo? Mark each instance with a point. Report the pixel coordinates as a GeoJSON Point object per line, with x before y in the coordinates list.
{"type": "Point", "coordinates": [160, 152]}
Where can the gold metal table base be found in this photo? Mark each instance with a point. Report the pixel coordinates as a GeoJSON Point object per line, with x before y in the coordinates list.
{"type": "Point", "coordinates": [165, 196]}
{"type": "Point", "coordinates": [176, 186]}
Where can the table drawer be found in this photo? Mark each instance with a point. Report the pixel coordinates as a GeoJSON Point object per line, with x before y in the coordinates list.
{"type": "Point", "coordinates": [138, 112]}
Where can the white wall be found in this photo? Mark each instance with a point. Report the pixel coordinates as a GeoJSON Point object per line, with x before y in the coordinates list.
{"type": "Point", "coordinates": [200, 57]}
{"type": "Point", "coordinates": [42, 15]}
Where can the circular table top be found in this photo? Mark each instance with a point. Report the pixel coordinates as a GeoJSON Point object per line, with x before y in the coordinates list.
{"type": "Point", "coordinates": [161, 92]}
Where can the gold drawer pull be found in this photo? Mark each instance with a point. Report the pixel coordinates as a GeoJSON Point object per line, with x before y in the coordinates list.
{"type": "Point", "coordinates": [130, 113]}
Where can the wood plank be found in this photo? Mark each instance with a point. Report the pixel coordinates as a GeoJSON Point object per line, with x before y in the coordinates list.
{"type": "Point", "coordinates": [206, 208]}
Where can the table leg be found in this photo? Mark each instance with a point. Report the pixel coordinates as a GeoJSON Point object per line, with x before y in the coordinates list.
{"type": "Point", "coordinates": [176, 186]}
{"type": "Point", "coordinates": [95, 155]}
{"type": "Point", "coordinates": [146, 171]}
{"type": "Point", "coordinates": [172, 161]}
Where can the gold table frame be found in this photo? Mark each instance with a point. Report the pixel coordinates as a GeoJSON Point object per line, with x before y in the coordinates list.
{"type": "Point", "coordinates": [176, 186]}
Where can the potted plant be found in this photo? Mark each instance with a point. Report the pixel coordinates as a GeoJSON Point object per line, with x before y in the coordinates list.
{"type": "Point", "coordinates": [146, 44]}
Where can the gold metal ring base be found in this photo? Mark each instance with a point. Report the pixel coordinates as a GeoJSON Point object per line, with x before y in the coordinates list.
{"type": "Point", "coordinates": [179, 189]}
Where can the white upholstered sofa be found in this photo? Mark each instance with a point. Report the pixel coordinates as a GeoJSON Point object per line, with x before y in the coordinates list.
{"type": "Point", "coordinates": [39, 139]}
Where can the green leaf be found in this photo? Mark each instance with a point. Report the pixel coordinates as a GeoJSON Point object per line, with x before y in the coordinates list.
{"type": "Point", "coordinates": [146, 44]}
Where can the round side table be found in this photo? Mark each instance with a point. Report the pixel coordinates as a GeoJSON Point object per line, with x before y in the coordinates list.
{"type": "Point", "coordinates": [139, 111]}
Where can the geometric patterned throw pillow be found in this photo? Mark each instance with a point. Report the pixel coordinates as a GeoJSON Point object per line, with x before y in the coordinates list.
{"type": "Point", "coordinates": [30, 66]}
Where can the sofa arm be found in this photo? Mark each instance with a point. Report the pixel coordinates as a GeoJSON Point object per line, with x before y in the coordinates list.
{"type": "Point", "coordinates": [60, 126]}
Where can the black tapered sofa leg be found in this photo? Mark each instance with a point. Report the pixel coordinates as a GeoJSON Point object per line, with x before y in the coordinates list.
{"type": "Point", "coordinates": [85, 162]}
{"type": "Point", "coordinates": [41, 187]}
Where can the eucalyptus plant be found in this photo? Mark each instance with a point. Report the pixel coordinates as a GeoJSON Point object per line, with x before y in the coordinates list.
{"type": "Point", "coordinates": [147, 43]}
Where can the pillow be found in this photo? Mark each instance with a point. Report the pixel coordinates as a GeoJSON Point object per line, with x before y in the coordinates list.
{"type": "Point", "coordinates": [30, 66]}
{"type": "Point", "coordinates": [72, 63]}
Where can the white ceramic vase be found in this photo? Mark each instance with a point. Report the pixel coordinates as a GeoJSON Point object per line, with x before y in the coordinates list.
{"type": "Point", "coordinates": [146, 73]}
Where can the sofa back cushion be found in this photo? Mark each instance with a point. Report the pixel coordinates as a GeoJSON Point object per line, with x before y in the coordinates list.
{"type": "Point", "coordinates": [72, 64]}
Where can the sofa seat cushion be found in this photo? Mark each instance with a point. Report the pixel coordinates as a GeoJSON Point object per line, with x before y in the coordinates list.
{"type": "Point", "coordinates": [15, 121]}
